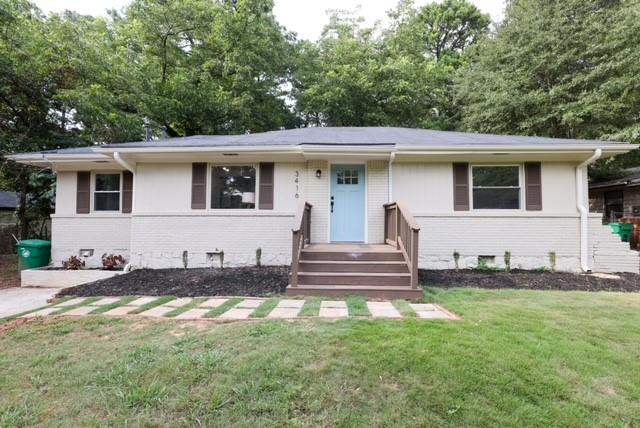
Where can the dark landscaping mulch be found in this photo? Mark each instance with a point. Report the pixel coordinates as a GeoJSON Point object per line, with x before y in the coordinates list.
{"type": "Point", "coordinates": [271, 280]}
{"type": "Point", "coordinates": [240, 281]}
{"type": "Point", "coordinates": [532, 280]}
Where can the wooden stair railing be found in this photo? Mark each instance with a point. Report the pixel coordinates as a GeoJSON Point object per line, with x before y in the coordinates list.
{"type": "Point", "coordinates": [401, 230]}
{"type": "Point", "coordinates": [301, 237]}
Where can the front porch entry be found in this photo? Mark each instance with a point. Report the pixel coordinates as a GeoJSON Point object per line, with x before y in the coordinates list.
{"type": "Point", "coordinates": [347, 203]}
{"type": "Point", "coordinates": [387, 271]}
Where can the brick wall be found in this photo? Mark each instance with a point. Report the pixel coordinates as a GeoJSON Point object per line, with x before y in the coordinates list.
{"type": "Point", "coordinates": [160, 240]}
{"type": "Point", "coordinates": [530, 239]}
{"type": "Point", "coordinates": [377, 195]}
{"type": "Point", "coordinates": [103, 234]}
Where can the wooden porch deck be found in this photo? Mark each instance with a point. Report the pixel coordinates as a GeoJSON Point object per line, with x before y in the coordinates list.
{"type": "Point", "coordinates": [384, 271]}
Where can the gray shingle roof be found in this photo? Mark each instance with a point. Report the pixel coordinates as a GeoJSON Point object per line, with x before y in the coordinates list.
{"type": "Point", "coordinates": [632, 178]}
{"type": "Point", "coordinates": [401, 138]}
{"type": "Point", "coordinates": [352, 136]}
{"type": "Point", "coordinates": [8, 200]}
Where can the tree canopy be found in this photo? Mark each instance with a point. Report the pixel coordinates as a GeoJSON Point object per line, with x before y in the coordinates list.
{"type": "Point", "coordinates": [560, 69]}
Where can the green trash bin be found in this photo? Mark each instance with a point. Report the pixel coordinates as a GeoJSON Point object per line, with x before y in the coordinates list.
{"type": "Point", "coordinates": [626, 230]}
{"type": "Point", "coordinates": [34, 253]}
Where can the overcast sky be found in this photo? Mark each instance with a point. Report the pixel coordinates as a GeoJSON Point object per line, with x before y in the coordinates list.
{"type": "Point", "coordinates": [305, 17]}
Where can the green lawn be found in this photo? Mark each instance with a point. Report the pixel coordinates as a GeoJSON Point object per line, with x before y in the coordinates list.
{"type": "Point", "coordinates": [518, 358]}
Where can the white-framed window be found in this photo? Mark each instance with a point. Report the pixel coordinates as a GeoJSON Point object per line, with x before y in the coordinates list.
{"type": "Point", "coordinates": [106, 192]}
{"type": "Point", "coordinates": [496, 187]}
{"type": "Point", "coordinates": [233, 187]}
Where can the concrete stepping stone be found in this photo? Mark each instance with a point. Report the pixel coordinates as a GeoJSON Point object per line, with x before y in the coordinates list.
{"type": "Point", "coordinates": [383, 310]}
{"type": "Point", "coordinates": [41, 312]}
{"type": "Point", "coordinates": [284, 312]}
{"type": "Point", "coordinates": [237, 313]}
{"type": "Point", "coordinates": [286, 308]}
{"type": "Point", "coordinates": [176, 303]}
{"type": "Point", "coordinates": [192, 314]}
{"type": "Point", "coordinates": [121, 310]}
{"type": "Point", "coordinates": [333, 304]}
{"type": "Point", "coordinates": [423, 307]}
{"type": "Point", "coordinates": [82, 310]}
{"type": "Point", "coordinates": [428, 311]}
{"type": "Point", "coordinates": [158, 311]}
{"type": "Point", "coordinates": [290, 303]}
{"type": "Point", "coordinates": [250, 303]}
{"type": "Point", "coordinates": [105, 301]}
{"type": "Point", "coordinates": [213, 303]}
{"type": "Point", "coordinates": [432, 315]}
{"type": "Point", "coordinates": [72, 302]}
{"type": "Point", "coordinates": [143, 300]}
{"type": "Point", "coordinates": [333, 309]}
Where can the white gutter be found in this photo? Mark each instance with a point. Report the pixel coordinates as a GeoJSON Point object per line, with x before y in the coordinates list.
{"type": "Point", "coordinates": [127, 165]}
{"type": "Point", "coordinates": [584, 211]}
{"type": "Point", "coordinates": [123, 163]}
{"type": "Point", "coordinates": [392, 157]}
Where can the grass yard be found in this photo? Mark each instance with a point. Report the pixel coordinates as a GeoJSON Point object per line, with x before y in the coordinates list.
{"type": "Point", "coordinates": [518, 358]}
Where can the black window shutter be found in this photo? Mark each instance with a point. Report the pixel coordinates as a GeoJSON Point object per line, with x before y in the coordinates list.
{"type": "Point", "coordinates": [83, 193]}
{"type": "Point", "coordinates": [533, 186]}
{"type": "Point", "coordinates": [199, 186]}
{"type": "Point", "coordinates": [461, 187]}
{"type": "Point", "coordinates": [127, 191]}
{"type": "Point", "coordinates": [266, 186]}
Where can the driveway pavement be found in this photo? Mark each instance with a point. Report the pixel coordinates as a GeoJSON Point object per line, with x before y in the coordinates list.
{"type": "Point", "coordinates": [17, 299]}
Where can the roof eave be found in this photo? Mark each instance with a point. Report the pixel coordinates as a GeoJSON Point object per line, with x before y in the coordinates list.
{"type": "Point", "coordinates": [521, 149]}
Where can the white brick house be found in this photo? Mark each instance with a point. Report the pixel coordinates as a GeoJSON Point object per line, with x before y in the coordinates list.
{"type": "Point", "coordinates": [193, 200]}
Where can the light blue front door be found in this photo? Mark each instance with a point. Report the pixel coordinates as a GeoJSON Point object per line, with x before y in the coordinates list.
{"type": "Point", "coordinates": [347, 203]}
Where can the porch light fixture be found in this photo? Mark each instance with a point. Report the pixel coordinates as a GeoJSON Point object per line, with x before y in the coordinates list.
{"type": "Point", "coordinates": [318, 173]}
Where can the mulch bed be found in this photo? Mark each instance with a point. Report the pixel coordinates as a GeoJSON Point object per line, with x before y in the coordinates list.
{"type": "Point", "coordinates": [273, 280]}
{"type": "Point", "coordinates": [240, 281]}
{"type": "Point", "coordinates": [531, 280]}
{"type": "Point", "coordinates": [9, 271]}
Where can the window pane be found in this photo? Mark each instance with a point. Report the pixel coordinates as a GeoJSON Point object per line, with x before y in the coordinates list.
{"type": "Point", "coordinates": [233, 187]}
{"type": "Point", "coordinates": [107, 201]}
{"type": "Point", "coordinates": [496, 199]}
{"type": "Point", "coordinates": [487, 176]}
{"type": "Point", "coordinates": [108, 182]}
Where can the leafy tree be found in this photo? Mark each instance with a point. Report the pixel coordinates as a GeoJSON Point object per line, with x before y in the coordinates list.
{"type": "Point", "coordinates": [32, 72]}
{"type": "Point", "coordinates": [561, 69]}
{"type": "Point", "coordinates": [402, 76]}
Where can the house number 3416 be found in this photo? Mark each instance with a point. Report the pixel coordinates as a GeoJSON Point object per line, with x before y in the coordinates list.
{"type": "Point", "coordinates": [297, 181]}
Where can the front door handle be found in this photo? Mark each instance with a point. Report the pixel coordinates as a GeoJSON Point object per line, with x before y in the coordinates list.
{"type": "Point", "coordinates": [332, 204]}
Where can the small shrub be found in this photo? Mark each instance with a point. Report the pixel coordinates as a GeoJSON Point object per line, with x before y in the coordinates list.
{"type": "Point", "coordinates": [111, 262]}
{"type": "Point", "coordinates": [483, 265]}
{"type": "Point", "coordinates": [507, 261]}
{"type": "Point", "coordinates": [552, 260]}
{"type": "Point", "coordinates": [259, 257]}
{"type": "Point", "coordinates": [73, 263]}
{"type": "Point", "coordinates": [456, 259]}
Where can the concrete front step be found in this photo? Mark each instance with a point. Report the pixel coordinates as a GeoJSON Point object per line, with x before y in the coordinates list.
{"type": "Point", "coordinates": [353, 266]}
{"type": "Point", "coordinates": [355, 278]}
{"type": "Point", "coordinates": [373, 291]}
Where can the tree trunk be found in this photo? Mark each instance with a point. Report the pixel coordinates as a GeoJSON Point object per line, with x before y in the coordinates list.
{"type": "Point", "coordinates": [22, 209]}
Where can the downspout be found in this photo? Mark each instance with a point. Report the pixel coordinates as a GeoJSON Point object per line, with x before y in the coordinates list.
{"type": "Point", "coordinates": [584, 211]}
{"type": "Point", "coordinates": [392, 157]}
{"type": "Point", "coordinates": [126, 165]}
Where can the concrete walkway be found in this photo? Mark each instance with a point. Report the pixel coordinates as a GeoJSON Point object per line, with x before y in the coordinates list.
{"type": "Point", "coordinates": [232, 309]}
{"type": "Point", "coordinates": [17, 299]}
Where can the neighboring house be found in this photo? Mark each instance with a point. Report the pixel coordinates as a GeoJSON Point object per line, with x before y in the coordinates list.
{"type": "Point", "coordinates": [617, 198]}
{"type": "Point", "coordinates": [194, 200]}
{"type": "Point", "coordinates": [8, 204]}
